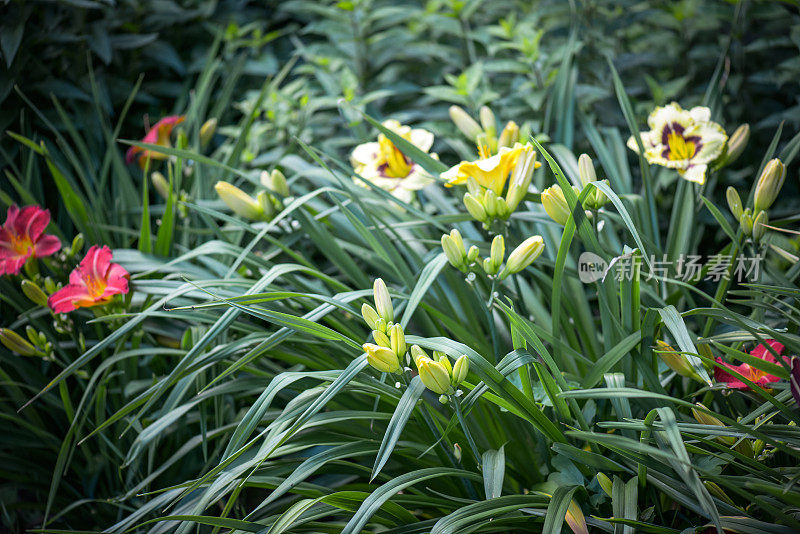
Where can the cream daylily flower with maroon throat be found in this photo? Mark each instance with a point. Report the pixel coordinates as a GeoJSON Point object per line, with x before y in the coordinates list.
{"type": "Point", "coordinates": [382, 164]}
{"type": "Point", "coordinates": [94, 282]}
{"type": "Point", "coordinates": [684, 140]}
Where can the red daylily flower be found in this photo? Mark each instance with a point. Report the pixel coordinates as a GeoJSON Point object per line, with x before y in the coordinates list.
{"type": "Point", "coordinates": [756, 376]}
{"type": "Point", "coordinates": [22, 237]}
{"type": "Point", "coordinates": [158, 134]}
{"type": "Point", "coordinates": [95, 281]}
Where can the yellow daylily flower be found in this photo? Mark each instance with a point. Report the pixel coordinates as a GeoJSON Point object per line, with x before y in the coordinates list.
{"type": "Point", "coordinates": [491, 173]}
{"type": "Point", "coordinates": [684, 140]}
{"type": "Point", "coordinates": [384, 165]}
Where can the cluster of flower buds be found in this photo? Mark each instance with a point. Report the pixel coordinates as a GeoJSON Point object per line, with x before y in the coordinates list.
{"type": "Point", "coordinates": [754, 222]}
{"type": "Point", "coordinates": [388, 352]}
{"type": "Point", "coordinates": [555, 203]}
{"type": "Point", "coordinates": [466, 260]}
{"type": "Point", "coordinates": [265, 205]}
{"type": "Point", "coordinates": [485, 133]}
{"type": "Point", "coordinates": [437, 373]}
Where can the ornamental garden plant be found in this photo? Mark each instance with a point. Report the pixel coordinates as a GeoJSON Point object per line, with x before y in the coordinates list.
{"type": "Point", "coordinates": [425, 268]}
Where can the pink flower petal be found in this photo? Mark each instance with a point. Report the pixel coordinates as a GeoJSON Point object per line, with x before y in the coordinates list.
{"type": "Point", "coordinates": [762, 352]}
{"type": "Point", "coordinates": [720, 375]}
{"type": "Point", "coordinates": [12, 265]}
{"type": "Point", "coordinates": [96, 262]}
{"type": "Point", "coordinates": [64, 300]}
{"type": "Point", "coordinates": [31, 222]}
{"type": "Point", "coordinates": [47, 245]}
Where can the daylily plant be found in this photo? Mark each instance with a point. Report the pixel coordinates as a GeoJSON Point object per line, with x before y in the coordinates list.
{"type": "Point", "coordinates": [95, 281]}
{"type": "Point", "coordinates": [754, 375]}
{"type": "Point", "coordinates": [384, 165]}
{"type": "Point", "coordinates": [22, 237]}
{"type": "Point", "coordinates": [158, 134]}
{"type": "Point", "coordinates": [685, 140]}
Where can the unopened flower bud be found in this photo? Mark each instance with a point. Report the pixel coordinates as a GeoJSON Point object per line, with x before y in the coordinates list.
{"type": "Point", "coordinates": [464, 122]}
{"type": "Point", "coordinates": [275, 181]}
{"type": "Point", "coordinates": [586, 170]}
{"type": "Point", "coordinates": [267, 203]}
{"type": "Point", "coordinates": [707, 419]}
{"type": "Point", "coordinates": [521, 178]}
{"type": "Point", "coordinates": [746, 222]}
{"type": "Point", "coordinates": [676, 361]}
{"type": "Point", "coordinates": [490, 203]}
{"type": "Point", "coordinates": [456, 448]}
{"type": "Point", "coordinates": [34, 293]}
{"type": "Point", "coordinates": [460, 370]}
{"type": "Point", "coordinates": [441, 357]}
{"type": "Point", "coordinates": [434, 375]}
{"type": "Point", "coordinates": [555, 204]}
{"type": "Point", "coordinates": [16, 343]}
{"type": "Point", "coordinates": [74, 249]}
{"type": "Point", "coordinates": [397, 339]}
{"type": "Point", "coordinates": [383, 302]}
{"type": "Point", "coordinates": [472, 253]}
{"type": "Point", "coordinates": [509, 135]}
{"type": "Point", "coordinates": [497, 252]}
{"type": "Point", "coordinates": [381, 358]}
{"type": "Point", "coordinates": [207, 131]}
{"type": "Point", "coordinates": [734, 202]}
{"type": "Point", "coordinates": [605, 483]}
{"type": "Point", "coordinates": [503, 210]}
{"type": "Point", "coordinates": [240, 202]}
{"type": "Point", "coordinates": [370, 315]}
{"type": "Point", "coordinates": [488, 121]}
{"type": "Point", "coordinates": [769, 185]}
{"type": "Point", "coordinates": [455, 255]}
{"type": "Point", "coordinates": [474, 188]}
{"type": "Point", "coordinates": [381, 339]}
{"type": "Point", "coordinates": [381, 325]}
{"type": "Point", "coordinates": [737, 143]}
{"type": "Point", "coordinates": [417, 352]}
{"type": "Point", "coordinates": [475, 208]}
{"type": "Point", "coordinates": [522, 256]}
{"type": "Point", "coordinates": [759, 225]}
{"type": "Point", "coordinates": [160, 184]}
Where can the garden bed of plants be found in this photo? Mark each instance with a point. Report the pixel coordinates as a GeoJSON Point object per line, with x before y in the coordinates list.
{"type": "Point", "coordinates": [435, 266]}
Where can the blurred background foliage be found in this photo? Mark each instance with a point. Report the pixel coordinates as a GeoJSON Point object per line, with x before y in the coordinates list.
{"type": "Point", "coordinates": [78, 75]}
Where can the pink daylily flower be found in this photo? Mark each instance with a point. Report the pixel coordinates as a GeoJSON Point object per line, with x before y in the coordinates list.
{"type": "Point", "coordinates": [158, 134]}
{"type": "Point", "coordinates": [22, 236]}
{"type": "Point", "coordinates": [756, 376]}
{"type": "Point", "coordinates": [95, 281]}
